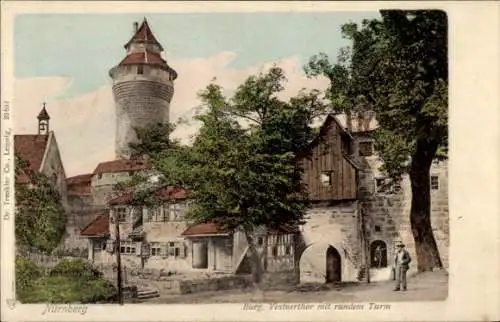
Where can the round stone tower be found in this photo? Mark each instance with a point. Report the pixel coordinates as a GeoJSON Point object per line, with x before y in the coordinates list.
{"type": "Point", "coordinates": [142, 87]}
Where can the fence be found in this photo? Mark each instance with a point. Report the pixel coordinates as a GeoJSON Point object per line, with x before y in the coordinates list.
{"type": "Point", "coordinates": [48, 260]}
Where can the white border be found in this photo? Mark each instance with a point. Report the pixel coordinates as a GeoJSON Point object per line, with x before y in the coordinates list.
{"type": "Point", "coordinates": [473, 173]}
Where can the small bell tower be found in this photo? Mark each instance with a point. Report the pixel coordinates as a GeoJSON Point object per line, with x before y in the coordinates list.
{"type": "Point", "coordinates": [43, 121]}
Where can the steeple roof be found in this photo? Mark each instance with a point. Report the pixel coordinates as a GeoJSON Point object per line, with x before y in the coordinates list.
{"type": "Point", "coordinates": [43, 115]}
{"type": "Point", "coordinates": [144, 35]}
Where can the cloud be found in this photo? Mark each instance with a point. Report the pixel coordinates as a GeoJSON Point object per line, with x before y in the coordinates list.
{"type": "Point", "coordinates": [85, 125]}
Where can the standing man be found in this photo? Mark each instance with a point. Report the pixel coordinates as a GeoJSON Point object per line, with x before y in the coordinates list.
{"type": "Point", "coordinates": [401, 263]}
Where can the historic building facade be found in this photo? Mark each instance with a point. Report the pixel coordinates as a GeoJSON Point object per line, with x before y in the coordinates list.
{"type": "Point", "coordinates": [160, 238]}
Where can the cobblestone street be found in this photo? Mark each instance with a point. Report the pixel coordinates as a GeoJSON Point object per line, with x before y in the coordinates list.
{"type": "Point", "coordinates": [429, 286]}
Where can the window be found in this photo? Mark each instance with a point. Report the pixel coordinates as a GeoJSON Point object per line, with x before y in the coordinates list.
{"type": "Point", "coordinates": [140, 69]}
{"type": "Point", "coordinates": [275, 251]}
{"type": "Point", "coordinates": [176, 249]}
{"type": "Point", "coordinates": [434, 182]}
{"type": "Point", "coordinates": [127, 247]}
{"type": "Point", "coordinates": [365, 149]}
{"type": "Point", "coordinates": [155, 249]}
{"type": "Point", "coordinates": [260, 241]}
{"type": "Point", "coordinates": [176, 211]}
{"type": "Point", "coordinates": [99, 176]}
{"type": "Point", "coordinates": [380, 185]}
{"type": "Point", "coordinates": [377, 228]}
{"type": "Point", "coordinates": [157, 214]}
{"type": "Point", "coordinates": [288, 250]}
{"type": "Point", "coordinates": [121, 214]}
{"type": "Point", "coordinates": [99, 245]}
{"type": "Point", "coordinates": [326, 178]}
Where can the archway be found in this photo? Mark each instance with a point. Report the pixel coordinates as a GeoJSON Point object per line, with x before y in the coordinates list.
{"type": "Point", "coordinates": [333, 265]}
{"type": "Point", "coordinates": [378, 254]}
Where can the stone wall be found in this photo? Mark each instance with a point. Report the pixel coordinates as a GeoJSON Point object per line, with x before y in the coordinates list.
{"type": "Point", "coordinates": [81, 212]}
{"type": "Point", "coordinates": [103, 184]}
{"type": "Point", "coordinates": [334, 225]}
{"type": "Point", "coordinates": [388, 213]}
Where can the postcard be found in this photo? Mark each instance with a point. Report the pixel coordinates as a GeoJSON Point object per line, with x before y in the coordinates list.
{"type": "Point", "coordinates": [250, 161]}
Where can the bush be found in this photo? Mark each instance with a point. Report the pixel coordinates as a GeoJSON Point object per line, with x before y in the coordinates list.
{"type": "Point", "coordinates": [27, 274]}
{"type": "Point", "coordinates": [64, 289]}
{"type": "Point", "coordinates": [75, 268]}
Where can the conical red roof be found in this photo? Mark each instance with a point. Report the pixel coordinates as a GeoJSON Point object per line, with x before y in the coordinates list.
{"type": "Point", "coordinates": [144, 35]}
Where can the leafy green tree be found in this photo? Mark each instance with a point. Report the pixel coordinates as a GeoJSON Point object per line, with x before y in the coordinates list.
{"type": "Point", "coordinates": [242, 168]}
{"type": "Point", "coordinates": [398, 67]}
{"type": "Point", "coordinates": [40, 217]}
{"type": "Point", "coordinates": [152, 140]}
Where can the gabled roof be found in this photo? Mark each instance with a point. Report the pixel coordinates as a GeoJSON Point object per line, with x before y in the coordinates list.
{"type": "Point", "coordinates": [97, 227]}
{"type": "Point", "coordinates": [165, 194]}
{"type": "Point", "coordinates": [144, 35]}
{"type": "Point", "coordinates": [79, 185]}
{"type": "Point", "coordinates": [204, 229]}
{"type": "Point", "coordinates": [324, 127]}
{"type": "Point", "coordinates": [79, 179]}
{"type": "Point", "coordinates": [31, 148]}
{"type": "Point", "coordinates": [121, 166]}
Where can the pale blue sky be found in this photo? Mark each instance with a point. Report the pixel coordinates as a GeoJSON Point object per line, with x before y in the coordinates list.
{"type": "Point", "coordinates": [85, 46]}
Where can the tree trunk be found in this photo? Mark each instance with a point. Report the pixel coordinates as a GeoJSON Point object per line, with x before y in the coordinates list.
{"type": "Point", "coordinates": [420, 214]}
{"type": "Point", "coordinates": [255, 260]}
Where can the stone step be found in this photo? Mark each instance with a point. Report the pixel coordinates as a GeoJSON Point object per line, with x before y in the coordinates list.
{"type": "Point", "coordinates": [147, 294]}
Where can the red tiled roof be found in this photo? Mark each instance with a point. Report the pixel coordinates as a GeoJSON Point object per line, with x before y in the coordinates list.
{"type": "Point", "coordinates": [97, 227]}
{"type": "Point", "coordinates": [143, 34]}
{"type": "Point", "coordinates": [164, 193]}
{"type": "Point", "coordinates": [31, 149]}
{"type": "Point", "coordinates": [145, 57]}
{"type": "Point", "coordinates": [121, 166]}
{"type": "Point", "coordinates": [79, 185]}
{"type": "Point", "coordinates": [79, 179]}
{"type": "Point", "coordinates": [203, 229]}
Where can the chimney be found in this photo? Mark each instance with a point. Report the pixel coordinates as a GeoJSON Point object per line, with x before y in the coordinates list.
{"type": "Point", "coordinates": [136, 27]}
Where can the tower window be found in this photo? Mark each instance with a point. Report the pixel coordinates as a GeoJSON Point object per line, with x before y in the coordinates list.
{"type": "Point", "coordinates": [140, 69]}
